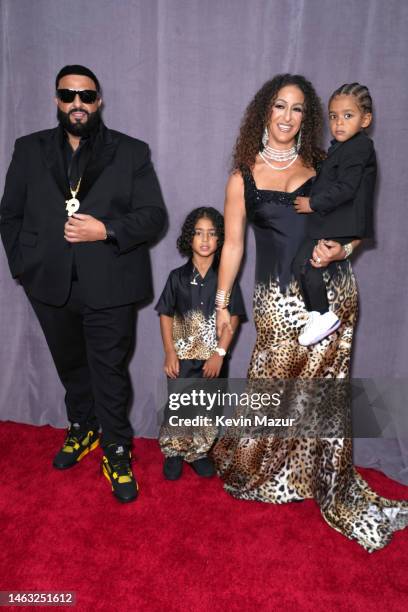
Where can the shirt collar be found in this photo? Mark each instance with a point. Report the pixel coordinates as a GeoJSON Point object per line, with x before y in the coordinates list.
{"type": "Point", "coordinates": [63, 136]}
{"type": "Point", "coordinates": [188, 270]}
{"type": "Point", "coordinates": [335, 144]}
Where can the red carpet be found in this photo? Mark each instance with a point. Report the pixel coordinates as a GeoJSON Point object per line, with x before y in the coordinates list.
{"type": "Point", "coordinates": [183, 546]}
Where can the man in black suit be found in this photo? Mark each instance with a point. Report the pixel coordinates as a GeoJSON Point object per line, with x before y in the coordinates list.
{"type": "Point", "coordinates": [80, 206]}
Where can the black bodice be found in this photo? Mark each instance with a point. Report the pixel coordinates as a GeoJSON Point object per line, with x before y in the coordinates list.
{"type": "Point", "coordinates": [279, 229]}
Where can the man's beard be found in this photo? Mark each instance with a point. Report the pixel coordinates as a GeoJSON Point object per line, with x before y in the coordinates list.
{"type": "Point", "coordinates": [79, 129]}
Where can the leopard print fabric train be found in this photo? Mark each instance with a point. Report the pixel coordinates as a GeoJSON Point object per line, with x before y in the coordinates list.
{"type": "Point", "coordinates": [280, 469]}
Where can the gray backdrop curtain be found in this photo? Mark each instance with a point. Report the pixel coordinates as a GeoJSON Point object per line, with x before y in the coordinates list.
{"type": "Point", "coordinates": [179, 74]}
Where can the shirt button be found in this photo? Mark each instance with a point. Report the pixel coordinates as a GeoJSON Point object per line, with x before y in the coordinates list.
{"type": "Point", "coordinates": [202, 284]}
{"type": "Point", "coordinates": [201, 303]}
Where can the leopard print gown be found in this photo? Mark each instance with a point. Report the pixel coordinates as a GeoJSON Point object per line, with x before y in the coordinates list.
{"type": "Point", "coordinates": [277, 469]}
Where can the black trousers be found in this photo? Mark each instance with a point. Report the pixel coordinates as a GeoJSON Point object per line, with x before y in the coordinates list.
{"type": "Point", "coordinates": [90, 349]}
{"type": "Point", "coordinates": [310, 279]}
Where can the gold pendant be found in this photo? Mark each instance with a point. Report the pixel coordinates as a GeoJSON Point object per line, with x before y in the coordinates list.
{"type": "Point", "coordinates": [72, 206]}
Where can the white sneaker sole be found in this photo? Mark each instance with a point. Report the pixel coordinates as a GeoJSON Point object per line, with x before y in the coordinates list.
{"type": "Point", "coordinates": [321, 336]}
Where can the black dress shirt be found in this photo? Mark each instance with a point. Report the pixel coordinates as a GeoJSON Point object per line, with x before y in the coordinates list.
{"type": "Point", "coordinates": [76, 162]}
{"type": "Point", "coordinates": [190, 300]}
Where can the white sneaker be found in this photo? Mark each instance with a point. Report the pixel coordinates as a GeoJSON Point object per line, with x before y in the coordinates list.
{"type": "Point", "coordinates": [318, 327]}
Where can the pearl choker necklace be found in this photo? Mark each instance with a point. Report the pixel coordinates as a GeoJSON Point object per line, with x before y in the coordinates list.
{"type": "Point", "coordinates": [278, 167]}
{"type": "Point", "coordinates": [279, 154]}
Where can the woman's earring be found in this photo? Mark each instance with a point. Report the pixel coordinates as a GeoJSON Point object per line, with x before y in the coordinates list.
{"type": "Point", "coordinates": [299, 141]}
{"type": "Point", "coordinates": [265, 137]}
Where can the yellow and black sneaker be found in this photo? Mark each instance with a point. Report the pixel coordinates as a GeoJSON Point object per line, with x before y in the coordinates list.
{"type": "Point", "coordinates": [116, 468]}
{"type": "Point", "coordinates": [78, 443]}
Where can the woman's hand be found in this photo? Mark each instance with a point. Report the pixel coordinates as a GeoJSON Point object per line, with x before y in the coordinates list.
{"type": "Point", "coordinates": [325, 252]}
{"type": "Point", "coordinates": [171, 364]}
{"type": "Point", "coordinates": [223, 319]}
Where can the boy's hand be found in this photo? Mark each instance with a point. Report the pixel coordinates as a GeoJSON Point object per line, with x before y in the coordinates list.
{"type": "Point", "coordinates": [172, 365]}
{"type": "Point", "coordinates": [302, 205]}
{"type": "Point", "coordinates": [213, 365]}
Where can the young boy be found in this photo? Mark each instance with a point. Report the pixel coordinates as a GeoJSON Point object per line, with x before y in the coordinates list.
{"type": "Point", "coordinates": [341, 200]}
{"type": "Point", "coordinates": [187, 322]}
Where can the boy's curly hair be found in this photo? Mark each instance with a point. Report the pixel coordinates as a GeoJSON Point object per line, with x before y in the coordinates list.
{"type": "Point", "coordinates": [257, 115]}
{"type": "Point", "coordinates": [184, 241]}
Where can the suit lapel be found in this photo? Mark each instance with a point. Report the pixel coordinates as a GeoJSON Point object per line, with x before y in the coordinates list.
{"type": "Point", "coordinates": [334, 145]}
{"type": "Point", "coordinates": [103, 151]}
{"type": "Point", "coordinates": [54, 160]}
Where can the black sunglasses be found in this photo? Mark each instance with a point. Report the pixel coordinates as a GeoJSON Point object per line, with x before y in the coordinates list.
{"type": "Point", "coordinates": [87, 96]}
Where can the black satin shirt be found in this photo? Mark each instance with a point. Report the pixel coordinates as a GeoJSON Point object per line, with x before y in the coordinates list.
{"type": "Point", "coordinates": [190, 300]}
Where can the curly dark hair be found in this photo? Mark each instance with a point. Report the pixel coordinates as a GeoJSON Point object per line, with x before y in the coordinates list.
{"type": "Point", "coordinates": [257, 115]}
{"type": "Point", "coordinates": [184, 241]}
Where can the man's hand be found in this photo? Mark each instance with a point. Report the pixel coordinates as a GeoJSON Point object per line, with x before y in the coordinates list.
{"type": "Point", "coordinates": [84, 228]}
{"type": "Point", "coordinates": [302, 205]}
{"type": "Point", "coordinates": [171, 365]}
{"type": "Point", "coordinates": [212, 367]}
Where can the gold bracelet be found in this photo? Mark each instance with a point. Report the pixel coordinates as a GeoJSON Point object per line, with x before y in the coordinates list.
{"type": "Point", "coordinates": [348, 249]}
{"type": "Point", "coordinates": [222, 298]}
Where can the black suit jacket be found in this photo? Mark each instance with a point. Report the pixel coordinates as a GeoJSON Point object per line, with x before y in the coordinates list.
{"type": "Point", "coordinates": [119, 186]}
{"type": "Point", "coordinates": [343, 192]}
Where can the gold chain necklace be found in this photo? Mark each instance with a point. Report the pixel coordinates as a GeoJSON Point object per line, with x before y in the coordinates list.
{"type": "Point", "coordinates": [72, 205]}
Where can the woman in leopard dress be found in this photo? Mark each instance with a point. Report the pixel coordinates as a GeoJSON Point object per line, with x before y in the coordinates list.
{"type": "Point", "coordinates": [274, 161]}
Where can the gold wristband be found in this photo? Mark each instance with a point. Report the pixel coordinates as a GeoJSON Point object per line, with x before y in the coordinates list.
{"type": "Point", "coordinates": [348, 249]}
{"type": "Point", "coordinates": [222, 298]}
